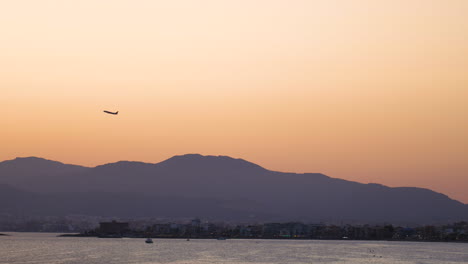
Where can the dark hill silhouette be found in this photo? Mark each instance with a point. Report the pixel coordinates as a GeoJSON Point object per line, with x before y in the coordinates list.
{"type": "Point", "coordinates": [36, 174]}
{"type": "Point", "coordinates": [224, 188]}
{"type": "Point", "coordinates": [108, 204]}
{"type": "Point", "coordinates": [31, 165]}
{"type": "Point", "coordinates": [210, 163]}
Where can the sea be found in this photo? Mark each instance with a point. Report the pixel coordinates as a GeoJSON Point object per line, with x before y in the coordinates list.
{"type": "Point", "coordinates": [48, 248]}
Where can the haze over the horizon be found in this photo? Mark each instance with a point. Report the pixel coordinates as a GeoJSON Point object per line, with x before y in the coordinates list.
{"type": "Point", "coordinates": [369, 91]}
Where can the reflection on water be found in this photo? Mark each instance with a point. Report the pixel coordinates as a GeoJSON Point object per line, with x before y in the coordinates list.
{"type": "Point", "coordinates": [47, 248]}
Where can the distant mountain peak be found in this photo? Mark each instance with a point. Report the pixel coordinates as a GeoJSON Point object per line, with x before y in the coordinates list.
{"type": "Point", "coordinates": [31, 158]}
{"type": "Point", "coordinates": [204, 157]}
{"type": "Point", "coordinates": [189, 155]}
{"type": "Point", "coordinates": [125, 164]}
{"type": "Point", "coordinates": [33, 161]}
{"type": "Point", "coordinates": [209, 161]}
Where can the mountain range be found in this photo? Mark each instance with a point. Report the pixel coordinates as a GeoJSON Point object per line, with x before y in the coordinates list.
{"type": "Point", "coordinates": [211, 187]}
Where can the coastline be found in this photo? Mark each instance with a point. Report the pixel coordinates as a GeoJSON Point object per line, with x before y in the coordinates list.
{"type": "Point", "coordinates": [260, 238]}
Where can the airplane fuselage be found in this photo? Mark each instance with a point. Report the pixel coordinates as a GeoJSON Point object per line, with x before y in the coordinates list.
{"type": "Point", "coordinates": [112, 113]}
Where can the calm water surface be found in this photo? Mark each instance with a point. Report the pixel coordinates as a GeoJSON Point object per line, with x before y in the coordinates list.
{"type": "Point", "coordinates": [47, 248]}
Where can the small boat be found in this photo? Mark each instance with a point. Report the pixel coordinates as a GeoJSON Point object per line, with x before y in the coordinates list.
{"type": "Point", "coordinates": [149, 241]}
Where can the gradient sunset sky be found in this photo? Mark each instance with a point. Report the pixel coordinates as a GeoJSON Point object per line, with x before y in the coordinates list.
{"type": "Point", "coordinates": [364, 90]}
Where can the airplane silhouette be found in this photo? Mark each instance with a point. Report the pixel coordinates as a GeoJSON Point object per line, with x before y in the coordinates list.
{"type": "Point", "coordinates": [112, 113]}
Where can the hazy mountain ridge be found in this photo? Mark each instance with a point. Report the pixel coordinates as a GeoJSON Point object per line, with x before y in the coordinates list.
{"type": "Point", "coordinates": [108, 204]}
{"type": "Point", "coordinates": [220, 187]}
{"type": "Point", "coordinates": [38, 165]}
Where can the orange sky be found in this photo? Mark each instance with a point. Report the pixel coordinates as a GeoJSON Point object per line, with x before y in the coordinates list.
{"type": "Point", "coordinates": [365, 90]}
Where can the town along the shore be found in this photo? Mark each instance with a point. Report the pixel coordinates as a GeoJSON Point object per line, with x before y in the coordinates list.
{"type": "Point", "coordinates": [457, 232]}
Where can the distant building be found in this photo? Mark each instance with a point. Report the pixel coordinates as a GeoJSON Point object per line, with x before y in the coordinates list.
{"type": "Point", "coordinates": [196, 222]}
{"type": "Point", "coordinates": [162, 229]}
{"type": "Point", "coordinates": [113, 228]}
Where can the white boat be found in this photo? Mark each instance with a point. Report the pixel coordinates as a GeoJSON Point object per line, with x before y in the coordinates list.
{"type": "Point", "coordinates": [149, 241]}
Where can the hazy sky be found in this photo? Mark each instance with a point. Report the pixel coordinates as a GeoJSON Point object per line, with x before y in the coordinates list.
{"type": "Point", "coordinates": [365, 90]}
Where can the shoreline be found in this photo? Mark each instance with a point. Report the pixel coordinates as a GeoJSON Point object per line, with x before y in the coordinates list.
{"type": "Point", "coordinates": [264, 238]}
